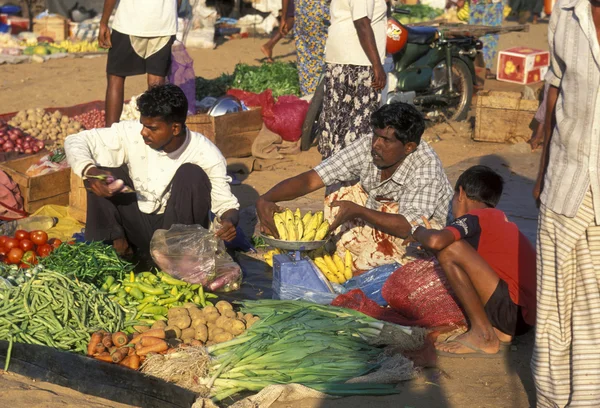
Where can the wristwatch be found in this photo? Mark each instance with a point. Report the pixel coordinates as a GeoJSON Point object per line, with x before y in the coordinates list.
{"type": "Point", "coordinates": [414, 229]}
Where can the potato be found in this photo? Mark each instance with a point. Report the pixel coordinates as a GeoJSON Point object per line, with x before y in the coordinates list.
{"type": "Point", "coordinates": [248, 316]}
{"type": "Point", "coordinates": [222, 321]}
{"type": "Point", "coordinates": [182, 321]}
{"type": "Point", "coordinates": [210, 309]}
{"type": "Point", "coordinates": [223, 337]}
{"type": "Point", "coordinates": [188, 335]}
{"type": "Point", "coordinates": [230, 313]}
{"type": "Point", "coordinates": [209, 343]}
{"type": "Point", "coordinates": [177, 311]}
{"type": "Point", "coordinates": [196, 314]}
{"type": "Point", "coordinates": [250, 322]}
{"type": "Point", "coordinates": [236, 327]}
{"type": "Point", "coordinates": [190, 305]}
{"type": "Point", "coordinates": [198, 322]}
{"type": "Point", "coordinates": [76, 126]}
{"type": "Point", "coordinates": [210, 324]}
{"type": "Point", "coordinates": [223, 305]}
{"type": "Point", "coordinates": [26, 125]}
{"type": "Point", "coordinates": [196, 343]}
{"type": "Point", "coordinates": [28, 111]}
{"type": "Point", "coordinates": [64, 119]}
{"type": "Point", "coordinates": [212, 317]}
{"type": "Point", "coordinates": [201, 333]}
{"type": "Point", "coordinates": [239, 315]}
{"type": "Point", "coordinates": [173, 332]}
{"type": "Point", "coordinates": [159, 324]}
{"type": "Point", "coordinates": [214, 331]}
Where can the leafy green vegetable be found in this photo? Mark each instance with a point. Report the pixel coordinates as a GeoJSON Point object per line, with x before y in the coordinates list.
{"type": "Point", "coordinates": [280, 77]}
{"type": "Point", "coordinates": [213, 87]}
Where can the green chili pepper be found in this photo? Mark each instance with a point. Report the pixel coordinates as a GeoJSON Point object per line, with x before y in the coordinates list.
{"type": "Point", "coordinates": [114, 288]}
{"type": "Point", "coordinates": [137, 293]}
{"type": "Point", "coordinates": [150, 290]}
{"type": "Point", "coordinates": [196, 299]}
{"type": "Point", "coordinates": [168, 279]}
{"type": "Point", "coordinates": [155, 310]}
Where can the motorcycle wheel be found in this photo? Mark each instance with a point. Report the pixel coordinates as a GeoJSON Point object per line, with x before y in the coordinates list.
{"type": "Point", "coordinates": [462, 81]}
{"type": "Point", "coordinates": [309, 128]}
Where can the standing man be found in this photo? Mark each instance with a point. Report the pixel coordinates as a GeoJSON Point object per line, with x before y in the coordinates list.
{"type": "Point", "coordinates": [566, 357]}
{"type": "Point", "coordinates": [143, 32]}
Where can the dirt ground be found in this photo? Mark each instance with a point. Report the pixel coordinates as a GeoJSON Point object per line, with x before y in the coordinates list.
{"type": "Point", "coordinates": [455, 382]}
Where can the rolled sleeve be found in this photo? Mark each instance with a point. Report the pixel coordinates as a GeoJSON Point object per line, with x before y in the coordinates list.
{"type": "Point", "coordinates": [361, 9]}
{"type": "Point", "coordinates": [345, 165]}
{"type": "Point", "coordinates": [555, 72]}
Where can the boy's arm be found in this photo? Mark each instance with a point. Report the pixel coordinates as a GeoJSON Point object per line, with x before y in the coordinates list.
{"type": "Point", "coordinates": [433, 240]}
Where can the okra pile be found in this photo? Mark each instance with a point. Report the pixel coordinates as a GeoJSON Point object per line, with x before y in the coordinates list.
{"type": "Point", "coordinates": [153, 294]}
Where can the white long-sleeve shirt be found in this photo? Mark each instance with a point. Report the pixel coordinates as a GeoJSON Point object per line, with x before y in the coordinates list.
{"type": "Point", "coordinates": [151, 170]}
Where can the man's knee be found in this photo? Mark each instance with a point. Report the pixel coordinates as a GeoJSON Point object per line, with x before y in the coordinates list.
{"type": "Point", "coordinates": [451, 253]}
{"type": "Point", "coordinates": [190, 174]}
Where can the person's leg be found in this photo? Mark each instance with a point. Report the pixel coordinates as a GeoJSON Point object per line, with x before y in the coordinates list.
{"type": "Point", "coordinates": [115, 94]}
{"type": "Point", "coordinates": [473, 282]}
{"type": "Point", "coordinates": [158, 64]}
{"type": "Point", "coordinates": [154, 80]}
{"type": "Point", "coordinates": [190, 201]}
{"type": "Point", "coordinates": [267, 48]}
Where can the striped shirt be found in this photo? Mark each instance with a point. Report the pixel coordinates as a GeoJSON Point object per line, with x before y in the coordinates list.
{"type": "Point", "coordinates": [575, 144]}
{"type": "Point", "coordinates": [419, 185]}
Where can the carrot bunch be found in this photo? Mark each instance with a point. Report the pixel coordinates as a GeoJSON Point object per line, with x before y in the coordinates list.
{"type": "Point", "coordinates": [130, 352]}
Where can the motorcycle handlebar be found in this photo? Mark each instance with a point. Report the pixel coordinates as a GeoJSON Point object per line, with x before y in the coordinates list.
{"type": "Point", "coordinates": [400, 10]}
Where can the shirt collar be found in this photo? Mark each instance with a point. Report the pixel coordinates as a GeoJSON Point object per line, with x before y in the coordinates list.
{"type": "Point", "coordinates": [175, 155]}
{"type": "Point", "coordinates": [402, 172]}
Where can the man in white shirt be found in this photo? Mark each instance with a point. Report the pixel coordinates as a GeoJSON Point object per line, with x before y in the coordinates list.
{"type": "Point", "coordinates": [178, 176]}
{"type": "Point", "coordinates": [143, 32]}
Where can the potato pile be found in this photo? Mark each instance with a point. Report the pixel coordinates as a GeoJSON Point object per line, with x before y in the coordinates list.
{"type": "Point", "coordinates": [53, 127]}
{"type": "Point", "coordinates": [207, 326]}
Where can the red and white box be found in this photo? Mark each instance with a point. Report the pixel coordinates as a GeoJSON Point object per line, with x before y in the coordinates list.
{"type": "Point", "coordinates": [522, 65]}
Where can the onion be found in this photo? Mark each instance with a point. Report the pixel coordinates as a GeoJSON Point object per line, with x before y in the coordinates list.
{"type": "Point", "coordinates": [13, 136]}
{"type": "Point", "coordinates": [2, 132]}
{"type": "Point", "coordinates": [28, 138]}
{"type": "Point", "coordinates": [40, 144]}
{"type": "Point", "coordinates": [19, 142]}
{"type": "Point", "coordinates": [35, 149]}
{"type": "Point", "coordinates": [5, 138]}
{"type": "Point", "coordinates": [28, 151]}
{"type": "Point", "coordinates": [8, 145]}
{"type": "Point", "coordinates": [25, 145]}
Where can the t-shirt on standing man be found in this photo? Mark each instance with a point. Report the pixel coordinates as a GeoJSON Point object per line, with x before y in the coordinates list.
{"type": "Point", "coordinates": [143, 32]}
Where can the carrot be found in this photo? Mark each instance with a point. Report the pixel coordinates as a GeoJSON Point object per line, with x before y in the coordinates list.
{"type": "Point", "coordinates": [149, 341]}
{"type": "Point", "coordinates": [107, 340]}
{"type": "Point", "coordinates": [112, 349]}
{"type": "Point", "coordinates": [119, 355]}
{"type": "Point", "coordinates": [138, 346]}
{"type": "Point", "coordinates": [134, 362]}
{"type": "Point", "coordinates": [130, 350]}
{"type": "Point", "coordinates": [104, 357]}
{"type": "Point", "coordinates": [160, 333]}
{"type": "Point", "coordinates": [155, 348]}
{"type": "Point", "coordinates": [100, 348]}
{"type": "Point", "coordinates": [125, 361]}
{"type": "Point", "coordinates": [94, 341]}
{"type": "Point", "coordinates": [119, 339]}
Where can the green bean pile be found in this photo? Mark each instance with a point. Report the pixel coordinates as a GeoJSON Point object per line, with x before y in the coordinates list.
{"type": "Point", "coordinates": [90, 263]}
{"type": "Point", "coordinates": [53, 310]}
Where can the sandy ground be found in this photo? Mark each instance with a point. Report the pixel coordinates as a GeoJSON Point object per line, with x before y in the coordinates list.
{"type": "Point", "coordinates": [455, 382]}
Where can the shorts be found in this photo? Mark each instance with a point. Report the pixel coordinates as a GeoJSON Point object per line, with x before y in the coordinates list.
{"type": "Point", "coordinates": [130, 55]}
{"type": "Point", "coordinates": [291, 10]}
{"type": "Point", "coordinates": [504, 314]}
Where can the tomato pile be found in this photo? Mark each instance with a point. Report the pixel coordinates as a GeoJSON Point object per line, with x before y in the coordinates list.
{"type": "Point", "coordinates": [25, 247]}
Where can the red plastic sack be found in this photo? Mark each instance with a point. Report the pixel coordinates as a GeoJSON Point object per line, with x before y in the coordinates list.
{"type": "Point", "coordinates": [286, 117]}
{"type": "Point", "coordinates": [264, 100]}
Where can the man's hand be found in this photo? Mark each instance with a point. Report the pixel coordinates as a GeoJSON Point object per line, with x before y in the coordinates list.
{"type": "Point", "coordinates": [379, 77]}
{"type": "Point", "coordinates": [347, 212]}
{"type": "Point", "coordinates": [537, 190]}
{"type": "Point", "coordinates": [227, 232]}
{"type": "Point", "coordinates": [284, 27]}
{"type": "Point", "coordinates": [99, 186]}
{"type": "Point", "coordinates": [265, 211]}
{"type": "Point", "coordinates": [104, 36]}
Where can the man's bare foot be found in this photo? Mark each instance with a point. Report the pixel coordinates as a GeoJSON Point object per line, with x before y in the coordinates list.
{"type": "Point", "coordinates": [122, 247]}
{"type": "Point", "coordinates": [268, 52]}
{"type": "Point", "coordinates": [488, 343]}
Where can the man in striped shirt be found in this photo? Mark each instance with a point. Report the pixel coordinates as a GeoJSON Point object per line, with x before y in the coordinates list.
{"type": "Point", "coordinates": [566, 357]}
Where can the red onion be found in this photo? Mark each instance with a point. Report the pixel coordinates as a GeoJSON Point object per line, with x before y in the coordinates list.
{"type": "Point", "coordinates": [19, 142]}
{"type": "Point", "coordinates": [40, 144]}
{"type": "Point", "coordinates": [28, 138]}
{"type": "Point", "coordinates": [13, 136]}
{"type": "Point", "coordinates": [5, 138]}
{"type": "Point", "coordinates": [35, 149]}
{"type": "Point", "coordinates": [28, 151]}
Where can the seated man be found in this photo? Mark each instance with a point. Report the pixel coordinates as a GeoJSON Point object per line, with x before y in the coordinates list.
{"type": "Point", "coordinates": [489, 263]}
{"type": "Point", "coordinates": [179, 176]}
{"type": "Point", "coordinates": [389, 180]}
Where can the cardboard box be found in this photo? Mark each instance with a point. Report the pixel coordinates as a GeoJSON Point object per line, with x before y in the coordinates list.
{"type": "Point", "coordinates": [503, 117]}
{"type": "Point", "coordinates": [51, 188]}
{"type": "Point", "coordinates": [233, 133]}
{"type": "Point", "coordinates": [55, 27]}
{"type": "Point", "coordinates": [77, 199]}
{"type": "Point", "coordinates": [522, 65]}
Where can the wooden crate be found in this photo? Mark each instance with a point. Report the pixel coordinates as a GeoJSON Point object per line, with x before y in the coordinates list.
{"type": "Point", "coordinates": [55, 27]}
{"type": "Point", "coordinates": [503, 117]}
{"type": "Point", "coordinates": [52, 188]}
{"type": "Point", "coordinates": [77, 199]}
{"type": "Point", "coordinates": [233, 133]}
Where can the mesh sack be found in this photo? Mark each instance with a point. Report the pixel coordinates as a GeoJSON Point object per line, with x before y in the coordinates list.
{"type": "Point", "coordinates": [182, 74]}
{"type": "Point", "coordinates": [264, 99]}
{"type": "Point", "coordinates": [286, 117]}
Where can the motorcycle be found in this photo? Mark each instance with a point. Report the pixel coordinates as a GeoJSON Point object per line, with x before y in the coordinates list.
{"type": "Point", "coordinates": [432, 71]}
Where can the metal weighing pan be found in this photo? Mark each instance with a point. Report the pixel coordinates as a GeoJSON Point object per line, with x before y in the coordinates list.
{"type": "Point", "coordinates": [293, 245]}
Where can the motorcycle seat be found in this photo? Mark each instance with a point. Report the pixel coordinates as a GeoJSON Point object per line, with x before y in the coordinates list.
{"type": "Point", "coordinates": [421, 35]}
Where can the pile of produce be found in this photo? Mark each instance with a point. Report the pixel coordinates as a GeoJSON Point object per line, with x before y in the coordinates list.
{"type": "Point", "coordinates": [80, 46]}
{"type": "Point", "coordinates": [53, 127]}
{"type": "Point", "coordinates": [418, 13]}
{"type": "Point", "coordinates": [25, 247]}
{"type": "Point", "coordinates": [297, 227]}
{"type": "Point", "coordinates": [91, 263]}
{"type": "Point", "coordinates": [13, 139]}
{"type": "Point", "coordinates": [52, 310]}
{"type": "Point", "coordinates": [93, 119]}
{"type": "Point", "coordinates": [279, 77]}
{"type": "Point", "coordinates": [321, 347]}
{"type": "Point", "coordinates": [213, 87]}
{"type": "Point", "coordinates": [130, 110]}
{"type": "Point", "coordinates": [67, 46]}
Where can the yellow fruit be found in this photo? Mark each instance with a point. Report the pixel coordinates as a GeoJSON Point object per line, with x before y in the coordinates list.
{"type": "Point", "coordinates": [306, 219]}
{"type": "Point", "coordinates": [297, 215]}
{"type": "Point", "coordinates": [323, 268]}
{"type": "Point", "coordinates": [290, 227]}
{"type": "Point", "coordinates": [339, 264]}
{"type": "Point", "coordinates": [322, 231]}
{"type": "Point", "coordinates": [283, 235]}
{"type": "Point", "coordinates": [309, 235]}
{"type": "Point", "coordinates": [331, 264]}
{"type": "Point", "coordinates": [319, 216]}
{"type": "Point", "coordinates": [288, 215]}
{"type": "Point", "coordinates": [299, 228]}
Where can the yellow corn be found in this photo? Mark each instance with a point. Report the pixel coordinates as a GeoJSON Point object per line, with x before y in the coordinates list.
{"type": "Point", "coordinates": [322, 231]}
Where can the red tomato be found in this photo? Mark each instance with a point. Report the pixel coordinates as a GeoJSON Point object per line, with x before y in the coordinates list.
{"type": "Point", "coordinates": [3, 239]}
{"type": "Point", "coordinates": [11, 243]}
{"type": "Point", "coordinates": [15, 255]}
{"type": "Point", "coordinates": [44, 250]}
{"type": "Point", "coordinates": [23, 266]}
{"type": "Point", "coordinates": [39, 237]}
{"type": "Point", "coordinates": [55, 242]}
{"type": "Point", "coordinates": [21, 235]}
{"type": "Point", "coordinates": [26, 245]}
{"type": "Point", "coordinates": [29, 258]}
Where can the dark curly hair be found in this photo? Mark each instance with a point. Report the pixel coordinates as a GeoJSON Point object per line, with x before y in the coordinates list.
{"type": "Point", "coordinates": [405, 119]}
{"type": "Point", "coordinates": [480, 183]}
{"type": "Point", "coordinates": [164, 101]}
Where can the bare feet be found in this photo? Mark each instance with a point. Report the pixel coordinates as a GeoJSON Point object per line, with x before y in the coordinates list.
{"type": "Point", "coordinates": [268, 52]}
{"type": "Point", "coordinates": [122, 247]}
{"type": "Point", "coordinates": [488, 343]}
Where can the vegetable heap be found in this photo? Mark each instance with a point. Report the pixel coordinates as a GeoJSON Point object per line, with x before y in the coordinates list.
{"type": "Point", "coordinates": [280, 77]}
{"type": "Point", "coordinates": [418, 13]}
{"type": "Point", "coordinates": [294, 342]}
{"type": "Point", "coordinates": [13, 139]}
{"type": "Point", "coordinates": [52, 128]}
{"type": "Point", "coordinates": [213, 87]}
{"type": "Point", "coordinates": [295, 227]}
{"type": "Point", "coordinates": [25, 247]}
{"type": "Point", "coordinates": [90, 263]}
{"type": "Point", "coordinates": [53, 310]}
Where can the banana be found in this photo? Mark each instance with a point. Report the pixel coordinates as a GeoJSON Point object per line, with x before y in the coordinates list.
{"type": "Point", "coordinates": [348, 265]}
{"type": "Point", "coordinates": [333, 268]}
{"type": "Point", "coordinates": [322, 231]}
{"type": "Point", "coordinates": [309, 235]}
{"type": "Point", "coordinates": [312, 224]}
{"type": "Point", "coordinates": [290, 227]}
{"type": "Point", "coordinates": [339, 264]}
{"type": "Point", "coordinates": [297, 216]}
{"type": "Point", "coordinates": [299, 229]}
{"type": "Point", "coordinates": [319, 216]}
{"type": "Point", "coordinates": [288, 215]}
{"type": "Point", "coordinates": [320, 262]}
{"type": "Point", "coordinates": [306, 219]}
{"type": "Point", "coordinates": [283, 235]}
